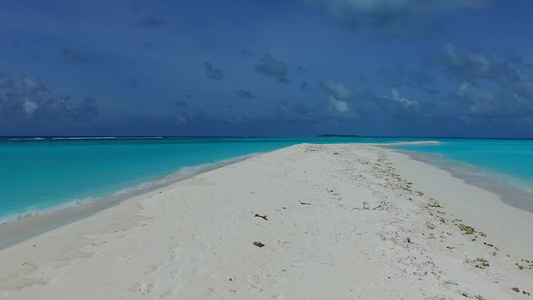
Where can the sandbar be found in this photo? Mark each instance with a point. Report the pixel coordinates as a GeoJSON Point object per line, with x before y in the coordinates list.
{"type": "Point", "coordinates": [344, 221]}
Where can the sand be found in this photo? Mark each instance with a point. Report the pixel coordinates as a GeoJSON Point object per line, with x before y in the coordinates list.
{"type": "Point", "coordinates": [336, 222]}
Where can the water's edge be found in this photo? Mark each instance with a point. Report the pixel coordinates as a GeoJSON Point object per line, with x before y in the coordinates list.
{"type": "Point", "coordinates": [14, 232]}
{"type": "Point", "coordinates": [17, 231]}
{"type": "Point", "coordinates": [509, 194]}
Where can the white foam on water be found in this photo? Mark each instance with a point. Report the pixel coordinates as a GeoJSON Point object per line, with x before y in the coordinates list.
{"type": "Point", "coordinates": [181, 174]}
{"type": "Point", "coordinates": [48, 210]}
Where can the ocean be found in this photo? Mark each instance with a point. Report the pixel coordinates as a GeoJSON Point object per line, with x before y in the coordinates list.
{"type": "Point", "coordinates": [43, 175]}
{"type": "Point", "coordinates": [502, 166]}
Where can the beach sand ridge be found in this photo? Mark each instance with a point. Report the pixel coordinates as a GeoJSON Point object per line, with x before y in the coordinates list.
{"type": "Point", "coordinates": [345, 221]}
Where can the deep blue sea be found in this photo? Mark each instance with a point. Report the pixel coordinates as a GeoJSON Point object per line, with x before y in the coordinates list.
{"type": "Point", "coordinates": [41, 175]}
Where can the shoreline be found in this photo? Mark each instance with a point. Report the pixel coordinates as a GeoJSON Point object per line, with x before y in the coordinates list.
{"type": "Point", "coordinates": [378, 225]}
{"type": "Point", "coordinates": [21, 226]}
{"type": "Point", "coordinates": [516, 195]}
{"type": "Point", "coordinates": [28, 226]}
{"type": "Point", "coordinates": [480, 206]}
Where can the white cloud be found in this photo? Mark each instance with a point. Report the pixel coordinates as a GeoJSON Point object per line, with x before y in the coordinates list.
{"type": "Point", "coordinates": [472, 66]}
{"type": "Point", "coordinates": [31, 95]}
{"type": "Point", "coordinates": [339, 105]}
{"type": "Point", "coordinates": [519, 84]}
{"type": "Point", "coordinates": [31, 82]}
{"type": "Point", "coordinates": [395, 18]}
{"type": "Point", "coordinates": [451, 54]}
{"type": "Point", "coordinates": [406, 103]}
{"type": "Point", "coordinates": [467, 91]}
{"type": "Point", "coordinates": [339, 95]}
{"type": "Point", "coordinates": [338, 90]}
{"type": "Point", "coordinates": [481, 61]}
{"type": "Point", "coordinates": [29, 107]}
{"type": "Point", "coordinates": [398, 6]}
{"type": "Point", "coordinates": [490, 87]}
{"type": "Point", "coordinates": [479, 101]}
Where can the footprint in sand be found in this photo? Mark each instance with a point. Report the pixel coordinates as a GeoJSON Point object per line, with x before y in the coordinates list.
{"type": "Point", "coordinates": [174, 253]}
{"type": "Point", "coordinates": [52, 280]}
{"type": "Point", "coordinates": [125, 257]}
{"type": "Point", "coordinates": [156, 268]}
{"type": "Point", "coordinates": [172, 294]}
{"type": "Point", "coordinates": [176, 274]}
{"type": "Point", "coordinates": [206, 246]}
{"type": "Point", "coordinates": [143, 288]}
{"type": "Point", "coordinates": [175, 258]}
{"type": "Point", "coordinates": [199, 258]}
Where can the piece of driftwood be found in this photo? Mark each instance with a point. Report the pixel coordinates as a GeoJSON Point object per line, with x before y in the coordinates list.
{"type": "Point", "coordinates": [259, 244]}
{"type": "Point", "coordinates": [260, 216]}
{"type": "Point", "coordinates": [379, 206]}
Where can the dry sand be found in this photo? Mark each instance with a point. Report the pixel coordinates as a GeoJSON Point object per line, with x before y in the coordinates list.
{"type": "Point", "coordinates": [373, 225]}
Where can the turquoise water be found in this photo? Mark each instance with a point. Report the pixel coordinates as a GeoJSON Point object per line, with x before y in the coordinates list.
{"type": "Point", "coordinates": [510, 159]}
{"type": "Point", "coordinates": [501, 166]}
{"type": "Point", "coordinates": [43, 175]}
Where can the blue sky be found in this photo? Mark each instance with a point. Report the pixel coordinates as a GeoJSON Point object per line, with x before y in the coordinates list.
{"type": "Point", "coordinates": [272, 67]}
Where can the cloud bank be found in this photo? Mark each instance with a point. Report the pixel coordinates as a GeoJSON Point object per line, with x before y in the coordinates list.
{"type": "Point", "coordinates": [395, 18]}
{"type": "Point", "coordinates": [31, 100]}
{"type": "Point", "coordinates": [213, 73]}
{"type": "Point", "coordinates": [245, 94]}
{"type": "Point", "coordinates": [269, 66]}
{"type": "Point", "coordinates": [151, 22]}
{"type": "Point", "coordinates": [337, 90]}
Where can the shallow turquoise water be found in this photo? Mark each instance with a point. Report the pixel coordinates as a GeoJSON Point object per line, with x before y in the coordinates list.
{"type": "Point", "coordinates": [46, 174]}
{"type": "Point", "coordinates": [504, 167]}
{"type": "Point", "coordinates": [43, 175]}
{"type": "Point", "coordinates": [509, 160]}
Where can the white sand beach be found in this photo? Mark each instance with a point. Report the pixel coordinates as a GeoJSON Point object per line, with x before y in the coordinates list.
{"type": "Point", "coordinates": [347, 221]}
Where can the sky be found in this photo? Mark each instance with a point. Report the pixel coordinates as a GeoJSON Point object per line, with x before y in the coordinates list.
{"type": "Point", "coordinates": [425, 68]}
